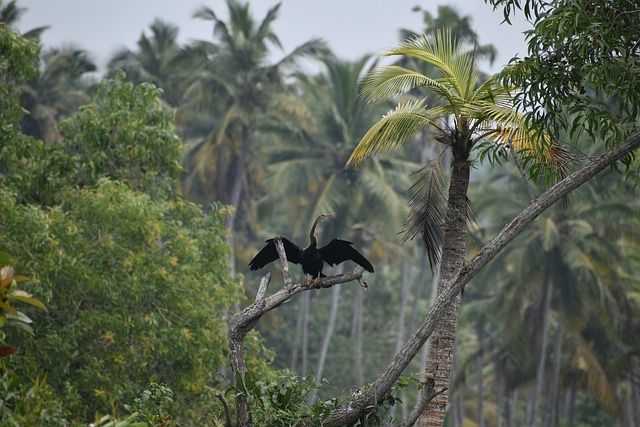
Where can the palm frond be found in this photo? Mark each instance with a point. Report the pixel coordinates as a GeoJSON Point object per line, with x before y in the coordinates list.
{"type": "Point", "coordinates": [393, 80]}
{"type": "Point", "coordinates": [394, 129]}
{"type": "Point", "coordinates": [427, 210]}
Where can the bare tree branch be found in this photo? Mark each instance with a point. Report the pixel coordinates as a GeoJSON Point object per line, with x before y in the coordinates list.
{"type": "Point", "coordinates": [426, 396]}
{"type": "Point", "coordinates": [351, 410]}
{"type": "Point", "coordinates": [244, 321]}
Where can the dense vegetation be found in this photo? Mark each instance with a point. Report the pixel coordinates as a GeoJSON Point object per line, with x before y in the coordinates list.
{"type": "Point", "coordinates": [131, 204]}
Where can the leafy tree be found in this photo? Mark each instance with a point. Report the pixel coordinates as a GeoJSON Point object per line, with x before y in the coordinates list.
{"type": "Point", "coordinates": [55, 92]}
{"type": "Point", "coordinates": [582, 59]}
{"type": "Point", "coordinates": [466, 116]}
{"type": "Point", "coordinates": [136, 289]}
{"type": "Point", "coordinates": [124, 134]}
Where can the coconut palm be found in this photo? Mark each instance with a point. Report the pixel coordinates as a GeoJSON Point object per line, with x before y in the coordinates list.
{"type": "Point", "coordinates": [468, 116]}
{"type": "Point", "coordinates": [10, 14]}
{"type": "Point", "coordinates": [157, 60]}
{"type": "Point", "coordinates": [56, 92]}
{"type": "Point", "coordinates": [233, 88]}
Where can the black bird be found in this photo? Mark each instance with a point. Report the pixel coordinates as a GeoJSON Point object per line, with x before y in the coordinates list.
{"type": "Point", "coordinates": [311, 258]}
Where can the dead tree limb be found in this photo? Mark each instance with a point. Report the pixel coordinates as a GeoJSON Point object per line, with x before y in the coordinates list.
{"type": "Point", "coordinates": [244, 321]}
{"type": "Point", "coordinates": [351, 410]}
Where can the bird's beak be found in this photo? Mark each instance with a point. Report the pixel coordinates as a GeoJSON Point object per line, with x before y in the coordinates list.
{"type": "Point", "coordinates": [329, 215]}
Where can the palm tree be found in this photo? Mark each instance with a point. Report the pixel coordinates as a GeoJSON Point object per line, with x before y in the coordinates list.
{"type": "Point", "coordinates": [468, 116]}
{"type": "Point", "coordinates": [234, 87]}
{"type": "Point", "coordinates": [56, 92]}
{"type": "Point", "coordinates": [566, 274]}
{"type": "Point", "coordinates": [157, 60]}
{"type": "Point", "coordinates": [10, 14]}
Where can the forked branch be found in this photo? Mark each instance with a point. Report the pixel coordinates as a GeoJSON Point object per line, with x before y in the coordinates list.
{"type": "Point", "coordinates": [244, 321]}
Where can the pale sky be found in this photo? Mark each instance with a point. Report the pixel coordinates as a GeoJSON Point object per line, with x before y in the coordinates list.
{"type": "Point", "coordinates": [351, 27]}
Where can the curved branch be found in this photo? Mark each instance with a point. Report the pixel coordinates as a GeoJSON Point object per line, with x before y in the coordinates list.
{"type": "Point", "coordinates": [350, 411]}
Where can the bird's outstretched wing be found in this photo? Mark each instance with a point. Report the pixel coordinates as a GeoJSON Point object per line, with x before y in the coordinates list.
{"type": "Point", "coordinates": [339, 250]}
{"type": "Point", "coordinates": [269, 254]}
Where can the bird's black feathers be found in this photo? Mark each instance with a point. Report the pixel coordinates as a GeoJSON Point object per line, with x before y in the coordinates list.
{"type": "Point", "coordinates": [339, 250]}
{"type": "Point", "coordinates": [269, 253]}
{"type": "Point", "coordinates": [311, 258]}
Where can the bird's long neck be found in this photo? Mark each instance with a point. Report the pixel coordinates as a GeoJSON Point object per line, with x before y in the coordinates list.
{"type": "Point", "coordinates": [313, 240]}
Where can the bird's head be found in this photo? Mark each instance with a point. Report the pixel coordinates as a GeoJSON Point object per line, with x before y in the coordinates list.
{"type": "Point", "coordinates": [312, 235]}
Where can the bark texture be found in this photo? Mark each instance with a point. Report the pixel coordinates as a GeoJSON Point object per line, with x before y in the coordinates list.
{"type": "Point", "coordinates": [454, 248]}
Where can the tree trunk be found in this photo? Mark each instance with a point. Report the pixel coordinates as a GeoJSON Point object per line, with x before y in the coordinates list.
{"type": "Point", "coordinates": [500, 399]}
{"type": "Point", "coordinates": [549, 415]}
{"type": "Point", "coordinates": [299, 349]}
{"type": "Point", "coordinates": [547, 291]}
{"type": "Point", "coordinates": [512, 409]}
{"type": "Point", "coordinates": [479, 368]}
{"type": "Point", "coordinates": [331, 324]}
{"type": "Point", "coordinates": [454, 248]}
{"type": "Point", "coordinates": [356, 335]}
{"type": "Point", "coordinates": [230, 223]}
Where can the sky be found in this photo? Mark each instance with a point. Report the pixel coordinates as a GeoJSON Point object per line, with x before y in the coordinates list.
{"type": "Point", "coordinates": [352, 28]}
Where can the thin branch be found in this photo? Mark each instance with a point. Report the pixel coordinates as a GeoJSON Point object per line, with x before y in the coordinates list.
{"type": "Point", "coordinates": [262, 289]}
{"type": "Point", "coordinates": [427, 395]}
{"type": "Point", "coordinates": [227, 412]}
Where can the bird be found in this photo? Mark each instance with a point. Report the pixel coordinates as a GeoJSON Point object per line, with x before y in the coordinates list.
{"type": "Point", "coordinates": [311, 258]}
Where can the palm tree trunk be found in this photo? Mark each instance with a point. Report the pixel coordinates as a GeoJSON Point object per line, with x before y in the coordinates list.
{"type": "Point", "coordinates": [549, 415]}
{"type": "Point", "coordinates": [512, 409]}
{"type": "Point", "coordinates": [230, 224]}
{"type": "Point", "coordinates": [479, 368]}
{"type": "Point", "coordinates": [500, 399]}
{"type": "Point", "coordinates": [305, 334]}
{"type": "Point", "coordinates": [356, 335]}
{"type": "Point", "coordinates": [544, 326]}
{"type": "Point", "coordinates": [331, 324]}
{"type": "Point", "coordinates": [454, 248]}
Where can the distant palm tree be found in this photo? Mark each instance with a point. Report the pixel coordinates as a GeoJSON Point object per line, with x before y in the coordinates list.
{"type": "Point", "coordinates": [234, 87]}
{"type": "Point", "coordinates": [56, 92]}
{"type": "Point", "coordinates": [563, 277]}
{"type": "Point", "coordinates": [10, 14]}
{"type": "Point", "coordinates": [468, 116]}
{"type": "Point", "coordinates": [157, 60]}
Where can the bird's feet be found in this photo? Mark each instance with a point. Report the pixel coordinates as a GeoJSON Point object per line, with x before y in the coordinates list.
{"type": "Point", "coordinates": [312, 282]}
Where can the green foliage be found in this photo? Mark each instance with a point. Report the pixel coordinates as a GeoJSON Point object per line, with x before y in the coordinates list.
{"type": "Point", "coordinates": [150, 406]}
{"type": "Point", "coordinates": [283, 401]}
{"type": "Point", "coordinates": [18, 58]}
{"type": "Point", "coordinates": [124, 134]}
{"type": "Point", "coordinates": [26, 403]}
{"type": "Point", "coordinates": [9, 295]}
{"type": "Point", "coordinates": [583, 59]}
{"type": "Point", "coordinates": [137, 290]}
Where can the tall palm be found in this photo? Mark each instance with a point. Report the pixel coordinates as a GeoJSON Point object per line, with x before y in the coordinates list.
{"type": "Point", "coordinates": [235, 86]}
{"type": "Point", "coordinates": [468, 115]}
{"type": "Point", "coordinates": [156, 60]}
{"type": "Point", "coordinates": [56, 92]}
